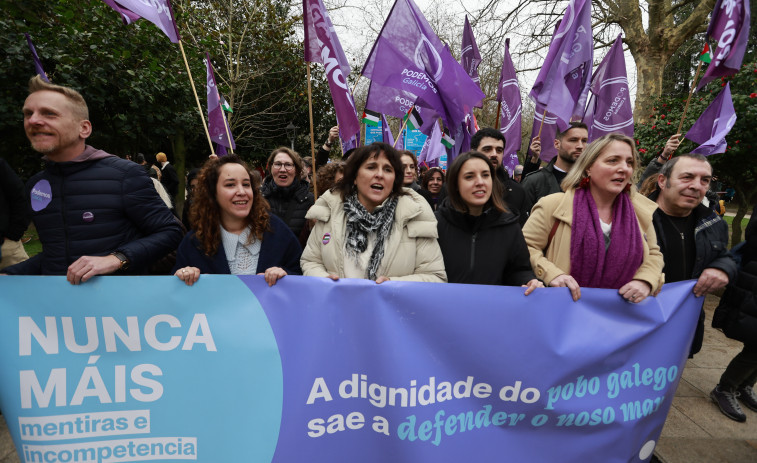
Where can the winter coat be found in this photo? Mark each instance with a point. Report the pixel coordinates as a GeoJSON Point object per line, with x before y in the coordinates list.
{"type": "Point", "coordinates": [98, 204]}
{"type": "Point", "coordinates": [515, 196]}
{"type": "Point", "coordinates": [541, 183]}
{"type": "Point", "coordinates": [411, 250]}
{"type": "Point", "coordinates": [559, 207]}
{"type": "Point", "coordinates": [290, 203]}
{"type": "Point", "coordinates": [488, 249]}
{"type": "Point", "coordinates": [710, 240]}
{"type": "Point", "coordinates": [279, 248]}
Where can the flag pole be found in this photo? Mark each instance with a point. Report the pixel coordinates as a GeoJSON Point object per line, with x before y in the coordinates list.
{"type": "Point", "coordinates": [355, 86]}
{"type": "Point", "coordinates": [499, 108]}
{"type": "Point", "coordinates": [312, 135]}
{"type": "Point", "coordinates": [199, 106]}
{"type": "Point", "coordinates": [404, 124]}
{"type": "Point", "coordinates": [542, 122]}
{"type": "Point", "coordinates": [691, 92]}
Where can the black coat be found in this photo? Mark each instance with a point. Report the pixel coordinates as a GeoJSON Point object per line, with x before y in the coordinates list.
{"type": "Point", "coordinates": [97, 206]}
{"type": "Point", "coordinates": [279, 248]}
{"type": "Point", "coordinates": [170, 180]}
{"type": "Point", "coordinates": [488, 249]}
{"type": "Point", "coordinates": [290, 204]}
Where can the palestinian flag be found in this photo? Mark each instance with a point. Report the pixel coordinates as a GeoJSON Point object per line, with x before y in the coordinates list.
{"type": "Point", "coordinates": [225, 105]}
{"type": "Point", "coordinates": [706, 56]}
{"type": "Point", "coordinates": [371, 118]}
{"type": "Point", "coordinates": [414, 120]}
{"type": "Point", "coordinates": [447, 140]}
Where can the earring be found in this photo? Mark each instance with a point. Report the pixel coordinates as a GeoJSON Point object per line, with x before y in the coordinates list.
{"type": "Point", "coordinates": [584, 183]}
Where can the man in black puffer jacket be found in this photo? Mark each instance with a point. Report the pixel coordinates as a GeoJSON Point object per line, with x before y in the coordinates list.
{"type": "Point", "coordinates": [95, 213]}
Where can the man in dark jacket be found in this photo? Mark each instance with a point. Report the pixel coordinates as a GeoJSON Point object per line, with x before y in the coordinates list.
{"type": "Point", "coordinates": [569, 144]}
{"type": "Point", "coordinates": [95, 213]}
{"type": "Point", "coordinates": [692, 238]}
{"type": "Point", "coordinates": [169, 177]}
{"type": "Point", "coordinates": [491, 143]}
{"type": "Point", "coordinates": [14, 217]}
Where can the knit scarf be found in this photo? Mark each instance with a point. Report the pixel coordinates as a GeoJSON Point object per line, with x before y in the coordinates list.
{"type": "Point", "coordinates": [360, 223]}
{"type": "Point", "coordinates": [590, 264]}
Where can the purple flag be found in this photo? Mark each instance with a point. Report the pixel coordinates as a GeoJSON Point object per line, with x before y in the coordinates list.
{"type": "Point", "coordinates": [397, 103]}
{"type": "Point", "coordinates": [158, 12]}
{"type": "Point", "coordinates": [508, 94]}
{"type": "Point", "coordinates": [35, 57]}
{"type": "Point", "coordinates": [386, 132]}
{"type": "Point", "coordinates": [714, 124]}
{"type": "Point", "coordinates": [729, 25]}
{"type": "Point", "coordinates": [401, 140]}
{"type": "Point", "coordinates": [408, 56]}
{"type": "Point", "coordinates": [432, 149]}
{"type": "Point", "coordinates": [564, 78]}
{"type": "Point", "coordinates": [350, 143]}
{"type": "Point", "coordinates": [220, 133]}
{"type": "Point", "coordinates": [548, 132]}
{"type": "Point", "coordinates": [220, 150]}
{"type": "Point", "coordinates": [509, 161]}
{"type": "Point", "coordinates": [322, 46]}
{"type": "Point", "coordinates": [470, 58]}
{"type": "Point", "coordinates": [610, 109]}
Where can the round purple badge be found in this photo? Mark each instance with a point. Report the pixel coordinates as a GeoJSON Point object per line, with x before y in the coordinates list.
{"type": "Point", "coordinates": [88, 216]}
{"type": "Point", "coordinates": [41, 195]}
{"type": "Point", "coordinates": [326, 238]}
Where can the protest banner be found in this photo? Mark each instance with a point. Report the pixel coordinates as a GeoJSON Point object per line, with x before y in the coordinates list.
{"type": "Point", "coordinates": [146, 368]}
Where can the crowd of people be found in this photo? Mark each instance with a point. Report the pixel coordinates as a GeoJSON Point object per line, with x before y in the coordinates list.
{"type": "Point", "coordinates": [577, 222]}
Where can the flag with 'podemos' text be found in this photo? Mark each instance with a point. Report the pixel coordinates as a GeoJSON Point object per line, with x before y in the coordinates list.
{"type": "Point", "coordinates": [508, 94]}
{"type": "Point", "coordinates": [322, 46]}
{"type": "Point", "coordinates": [562, 83]}
{"type": "Point", "coordinates": [396, 102]}
{"type": "Point", "coordinates": [610, 109]}
{"type": "Point", "coordinates": [714, 124]}
{"type": "Point", "coordinates": [158, 12]}
{"type": "Point", "coordinates": [729, 25]}
{"type": "Point", "coordinates": [407, 55]}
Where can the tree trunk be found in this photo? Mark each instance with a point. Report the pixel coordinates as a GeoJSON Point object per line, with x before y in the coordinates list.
{"type": "Point", "coordinates": [740, 213]}
{"type": "Point", "coordinates": [649, 70]}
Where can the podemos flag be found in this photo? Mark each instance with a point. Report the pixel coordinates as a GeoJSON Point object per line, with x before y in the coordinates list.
{"type": "Point", "coordinates": [714, 124]}
{"type": "Point", "coordinates": [729, 25]}
{"type": "Point", "coordinates": [508, 94]}
{"type": "Point", "coordinates": [158, 12]}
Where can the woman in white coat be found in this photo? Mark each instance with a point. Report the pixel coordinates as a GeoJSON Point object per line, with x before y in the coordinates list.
{"type": "Point", "coordinates": [369, 226]}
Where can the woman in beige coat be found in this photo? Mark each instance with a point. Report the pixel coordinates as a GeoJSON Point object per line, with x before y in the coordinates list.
{"type": "Point", "coordinates": [599, 232]}
{"type": "Point", "coordinates": [368, 226]}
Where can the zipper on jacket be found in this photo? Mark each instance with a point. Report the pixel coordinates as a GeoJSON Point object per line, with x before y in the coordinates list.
{"type": "Point", "coordinates": [473, 250]}
{"type": "Point", "coordinates": [683, 251]}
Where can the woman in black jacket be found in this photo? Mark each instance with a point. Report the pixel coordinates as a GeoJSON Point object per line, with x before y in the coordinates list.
{"type": "Point", "coordinates": [481, 241]}
{"type": "Point", "coordinates": [288, 196]}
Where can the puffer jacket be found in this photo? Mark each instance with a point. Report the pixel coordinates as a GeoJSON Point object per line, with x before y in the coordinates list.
{"type": "Point", "coordinates": [290, 203]}
{"type": "Point", "coordinates": [487, 250]}
{"type": "Point", "coordinates": [97, 204]}
{"type": "Point", "coordinates": [411, 250]}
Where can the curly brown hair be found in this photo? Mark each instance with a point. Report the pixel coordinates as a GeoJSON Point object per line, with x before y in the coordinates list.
{"type": "Point", "coordinates": [206, 213]}
{"type": "Point", "coordinates": [326, 175]}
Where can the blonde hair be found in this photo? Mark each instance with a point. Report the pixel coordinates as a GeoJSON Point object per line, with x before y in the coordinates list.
{"type": "Point", "coordinates": [78, 105]}
{"type": "Point", "coordinates": [161, 157]}
{"type": "Point", "coordinates": [587, 159]}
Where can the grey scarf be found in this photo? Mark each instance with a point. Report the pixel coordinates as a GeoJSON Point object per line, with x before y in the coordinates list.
{"type": "Point", "coordinates": [360, 223]}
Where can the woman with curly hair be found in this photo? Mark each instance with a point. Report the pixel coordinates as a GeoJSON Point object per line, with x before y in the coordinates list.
{"type": "Point", "coordinates": [234, 231]}
{"type": "Point", "coordinates": [328, 175]}
{"type": "Point", "coordinates": [433, 181]}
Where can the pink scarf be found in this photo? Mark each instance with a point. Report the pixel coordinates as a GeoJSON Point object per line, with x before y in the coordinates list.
{"type": "Point", "coordinates": [590, 264]}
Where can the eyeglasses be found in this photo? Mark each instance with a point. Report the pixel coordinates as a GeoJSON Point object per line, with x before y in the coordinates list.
{"type": "Point", "coordinates": [283, 165]}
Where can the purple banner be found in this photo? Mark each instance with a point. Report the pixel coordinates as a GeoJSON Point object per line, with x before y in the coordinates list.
{"type": "Point", "coordinates": [562, 83]}
{"type": "Point", "coordinates": [322, 46]}
{"type": "Point", "coordinates": [729, 25]}
{"type": "Point", "coordinates": [158, 12]}
{"type": "Point", "coordinates": [397, 103]}
{"type": "Point", "coordinates": [311, 369]}
{"type": "Point", "coordinates": [218, 127]}
{"type": "Point", "coordinates": [508, 94]}
{"type": "Point", "coordinates": [610, 109]}
{"type": "Point", "coordinates": [407, 55]}
{"type": "Point", "coordinates": [714, 124]}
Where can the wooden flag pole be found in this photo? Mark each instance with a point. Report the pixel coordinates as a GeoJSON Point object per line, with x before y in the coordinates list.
{"type": "Point", "coordinates": [199, 106]}
{"type": "Point", "coordinates": [312, 135]}
{"type": "Point", "coordinates": [542, 123]}
{"type": "Point", "coordinates": [404, 124]}
{"type": "Point", "coordinates": [691, 92]}
{"type": "Point", "coordinates": [499, 108]}
{"type": "Point", "coordinates": [355, 86]}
